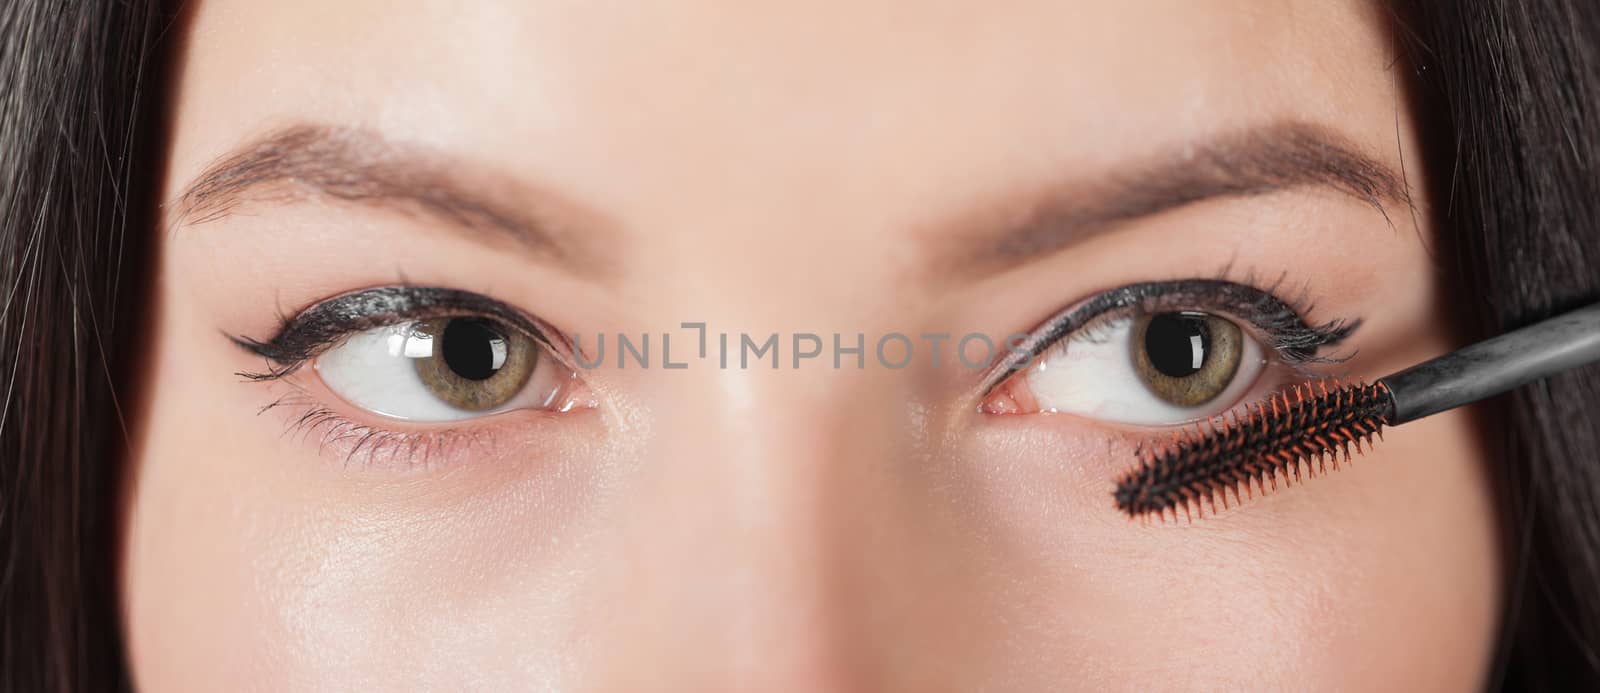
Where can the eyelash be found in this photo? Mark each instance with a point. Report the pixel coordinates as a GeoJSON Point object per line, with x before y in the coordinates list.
{"type": "Point", "coordinates": [303, 337]}
{"type": "Point", "coordinates": [1296, 342]}
{"type": "Point", "coordinates": [375, 444]}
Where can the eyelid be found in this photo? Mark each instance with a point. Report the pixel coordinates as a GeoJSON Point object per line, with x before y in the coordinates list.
{"type": "Point", "coordinates": [1288, 334]}
{"type": "Point", "coordinates": [323, 324]}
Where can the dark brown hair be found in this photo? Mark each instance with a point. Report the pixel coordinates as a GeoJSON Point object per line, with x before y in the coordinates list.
{"type": "Point", "coordinates": [1507, 93]}
{"type": "Point", "coordinates": [76, 138]}
{"type": "Point", "coordinates": [1508, 96]}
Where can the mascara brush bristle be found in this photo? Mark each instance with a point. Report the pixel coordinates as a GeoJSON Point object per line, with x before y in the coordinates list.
{"type": "Point", "coordinates": [1301, 432]}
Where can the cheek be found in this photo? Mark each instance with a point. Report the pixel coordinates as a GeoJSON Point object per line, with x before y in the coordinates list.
{"type": "Point", "coordinates": [1379, 574]}
{"type": "Point", "coordinates": [252, 562]}
{"type": "Point", "coordinates": [265, 586]}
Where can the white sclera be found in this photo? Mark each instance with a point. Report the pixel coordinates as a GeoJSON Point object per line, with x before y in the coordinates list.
{"type": "Point", "coordinates": [376, 370]}
{"type": "Point", "coordinates": [1093, 374]}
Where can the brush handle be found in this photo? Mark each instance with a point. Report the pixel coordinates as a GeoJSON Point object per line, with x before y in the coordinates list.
{"type": "Point", "coordinates": [1496, 365]}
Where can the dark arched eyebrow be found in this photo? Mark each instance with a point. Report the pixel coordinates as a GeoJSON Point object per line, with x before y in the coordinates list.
{"type": "Point", "coordinates": [356, 165]}
{"type": "Point", "coordinates": [317, 162]}
{"type": "Point", "coordinates": [1251, 162]}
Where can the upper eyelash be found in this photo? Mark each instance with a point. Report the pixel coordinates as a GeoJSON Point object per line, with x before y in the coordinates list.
{"type": "Point", "coordinates": [1295, 341]}
{"type": "Point", "coordinates": [322, 325]}
{"type": "Point", "coordinates": [305, 335]}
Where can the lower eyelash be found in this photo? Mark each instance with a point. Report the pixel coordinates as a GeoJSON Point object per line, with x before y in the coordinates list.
{"type": "Point", "coordinates": [364, 444]}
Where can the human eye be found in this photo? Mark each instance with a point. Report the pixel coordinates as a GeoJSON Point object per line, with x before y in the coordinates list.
{"type": "Point", "coordinates": [406, 355]}
{"type": "Point", "coordinates": [1160, 353]}
{"type": "Point", "coordinates": [443, 369]}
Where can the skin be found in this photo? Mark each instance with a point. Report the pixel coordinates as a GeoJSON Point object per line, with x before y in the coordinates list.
{"type": "Point", "coordinates": [784, 167]}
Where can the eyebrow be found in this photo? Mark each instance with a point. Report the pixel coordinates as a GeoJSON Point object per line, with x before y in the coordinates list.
{"type": "Point", "coordinates": [1247, 163]}
{"type": "Point", "coordinates": [311, 161]}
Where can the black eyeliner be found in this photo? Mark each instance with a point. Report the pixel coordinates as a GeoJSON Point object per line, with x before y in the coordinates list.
{"type": "Point", "coordinates": [325, 323]}
{"type": "Point", "coordinates": [1293, 339]}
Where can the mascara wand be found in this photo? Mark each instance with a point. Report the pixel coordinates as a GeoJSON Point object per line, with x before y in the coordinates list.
{"type": "Point", "coordinates": [1307, 429]}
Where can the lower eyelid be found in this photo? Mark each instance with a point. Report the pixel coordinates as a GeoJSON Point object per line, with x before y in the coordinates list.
{"type": "Point", "coordinates": [1070, 464]}
{"type": "Point", "coordinates": [1015, 394]}
{"type": "Point", "coordinates": [1275, 377]}
{"type": "Point", "coordinates": [315, 418]}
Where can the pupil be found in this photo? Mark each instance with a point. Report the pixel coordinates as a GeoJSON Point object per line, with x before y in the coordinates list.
{"type": "Point", "coordinates": [469, 349]}
{"type": "Point", "coordinates": [1177, 343]}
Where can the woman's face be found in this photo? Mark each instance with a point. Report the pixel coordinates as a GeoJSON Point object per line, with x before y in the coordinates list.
{"type": "Point", "coordinates": [427, 485]}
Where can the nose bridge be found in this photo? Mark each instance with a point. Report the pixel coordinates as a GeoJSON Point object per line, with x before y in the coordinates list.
{"type": "Point", "coordinates": [747, 522]}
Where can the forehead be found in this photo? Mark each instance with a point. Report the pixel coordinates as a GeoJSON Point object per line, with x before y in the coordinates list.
{"type": "Point", "coordinates": [762, 105]}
